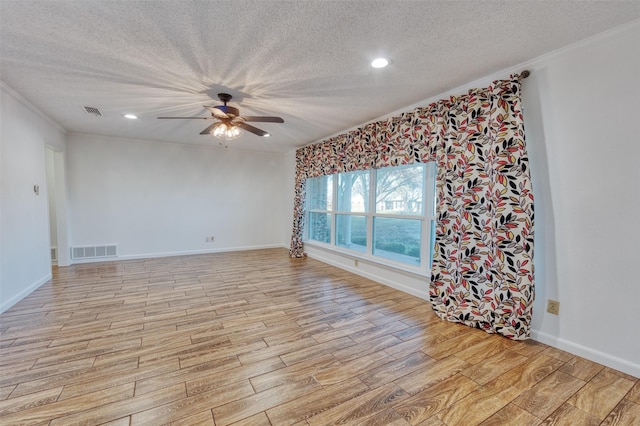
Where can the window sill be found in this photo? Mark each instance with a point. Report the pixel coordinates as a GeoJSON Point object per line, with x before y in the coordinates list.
{"type": "Point", "coordinates": [372, 260]}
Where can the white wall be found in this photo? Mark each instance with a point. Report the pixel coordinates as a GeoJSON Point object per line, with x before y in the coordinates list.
{"type": "Point", "coordinates": [155, 199]}
{"type": "Point", "coordinates": [24, 223]}
{"type": "Point", "coordinates": [581, 114]}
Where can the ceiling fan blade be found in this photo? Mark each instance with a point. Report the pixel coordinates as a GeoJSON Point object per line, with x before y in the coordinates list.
{"type": "Point", "coordinates": [186, 118]}
{"type": "Point", "coordinates": [217, 111]}
{"type": "Point", "coordinates": [262, 119]}
{"type": "Point", "coordinates": [208, 129]}
{"type": "Point", "coordinates": [250, 128]}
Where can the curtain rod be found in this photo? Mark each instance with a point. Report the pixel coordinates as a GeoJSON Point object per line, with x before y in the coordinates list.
{"type": "Point", "coordinates": [525, 74]}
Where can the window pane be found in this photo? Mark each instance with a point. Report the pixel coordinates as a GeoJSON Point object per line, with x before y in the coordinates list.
{"type": "Point", "coordinates": [431, 188]}
{"type": "Point", "coordinates": [399, 190]}
{"type": "Point", "coordinates": [353, 192]}
{"type": "Point", "coordinates": [397, 239]}
{"type": "Point", "coordinates": [319, 227]}
{"type": "Point", "coordinates": [351, 232]}
{"type": "Point", "coordinates": [432, 242]}
{"type": "Point", "coordinates": [320, 193]}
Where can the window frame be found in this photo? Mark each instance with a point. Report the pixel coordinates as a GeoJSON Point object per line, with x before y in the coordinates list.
{"type": "Point", "coordinates": [329, 211]}
{"type": "Point", "coordinates": [427, 220]}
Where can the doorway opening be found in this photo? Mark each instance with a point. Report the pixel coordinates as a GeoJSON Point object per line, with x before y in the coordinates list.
{"type": "Point", "coordinates": [56, 193]}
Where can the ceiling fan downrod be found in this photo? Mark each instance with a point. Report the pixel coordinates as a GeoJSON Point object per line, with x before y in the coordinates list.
{"type": "Point", "coordinates": [224, 97]}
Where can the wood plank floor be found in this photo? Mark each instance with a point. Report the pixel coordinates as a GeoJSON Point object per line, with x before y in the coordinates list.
{"type": "Point", "coordinates": [255, 338]}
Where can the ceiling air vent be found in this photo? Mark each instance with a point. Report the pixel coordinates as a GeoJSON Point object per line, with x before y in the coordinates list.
{"type": "Point", "coordinates": [93, 110]}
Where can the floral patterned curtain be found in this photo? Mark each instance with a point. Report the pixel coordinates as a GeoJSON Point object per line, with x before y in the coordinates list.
{"type": "Point", "coordinates": [482, 271]}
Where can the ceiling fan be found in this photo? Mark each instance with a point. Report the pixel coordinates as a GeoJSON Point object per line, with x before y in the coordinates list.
{"type": "Point", "coordinates": [230, 120]}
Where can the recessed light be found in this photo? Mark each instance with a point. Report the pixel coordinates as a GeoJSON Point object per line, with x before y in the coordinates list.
{"type": "Point", "coordinates": [131, 116]}
{"type": "Point", "coordinates": [379, 63]}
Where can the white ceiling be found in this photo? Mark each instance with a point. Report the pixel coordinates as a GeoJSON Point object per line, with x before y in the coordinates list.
{"type": "Point", "coordinates": [306, 61]}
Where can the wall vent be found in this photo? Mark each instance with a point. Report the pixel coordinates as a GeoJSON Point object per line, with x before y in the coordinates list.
{"type": "Point", "coordinates": [93, 252]}
{"type": "Point", "coordinates": [93, 111]}
{"type": "Point", "coordinates": [54, 254]}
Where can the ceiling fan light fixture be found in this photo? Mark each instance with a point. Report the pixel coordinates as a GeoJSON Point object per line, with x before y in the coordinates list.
{"type": "Point", "coordinates": [225, 131]}
{"type": "Point", "coordinates": [380, 63]}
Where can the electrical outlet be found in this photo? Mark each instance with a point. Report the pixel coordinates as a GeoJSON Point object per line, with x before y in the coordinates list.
{"type": "Point", "coordinates": [553, 307]}
{"type": "Point", "coordinates": [355, 262]}
{"type": "Point", "coordinates": [212, 238]}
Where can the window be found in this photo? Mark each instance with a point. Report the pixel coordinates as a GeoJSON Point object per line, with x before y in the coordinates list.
{"type": "Point", "coordinates": [397, 223]}
{"type": "Point", "coordinates": [385, 215]}
{"type": "Point", "coordinates": [352, 203]}
{"type": "Point", "coordinates": [319, 207]}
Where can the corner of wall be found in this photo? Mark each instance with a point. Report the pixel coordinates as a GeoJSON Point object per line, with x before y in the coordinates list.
{"type": "Point", "coordinates": [8, 303]}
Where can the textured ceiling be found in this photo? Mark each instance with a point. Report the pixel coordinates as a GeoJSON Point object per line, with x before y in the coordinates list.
{"type": "Point", "coordinates": [305, 61]}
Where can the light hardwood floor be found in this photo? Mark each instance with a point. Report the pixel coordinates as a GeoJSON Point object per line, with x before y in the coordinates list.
{"type": "Point", "coordinates": [255, 338]}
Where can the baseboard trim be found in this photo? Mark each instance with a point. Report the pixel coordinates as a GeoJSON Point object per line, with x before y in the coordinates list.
{"type": "Point", "coordinates": [6, 304]}
{"type": "Point", "coordinates": [608, 360]}
{"type": "Point", "coordinates": [390, 283]}
{"type": "Point", "coordinates": [177, 253]}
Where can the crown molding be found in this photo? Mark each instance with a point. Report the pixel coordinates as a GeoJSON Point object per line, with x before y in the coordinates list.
{"type": "Point", "coordinates": [17, 96]}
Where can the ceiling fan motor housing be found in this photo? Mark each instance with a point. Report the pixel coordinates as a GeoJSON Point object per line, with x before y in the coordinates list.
{"type": "Point", "coordinates": [229, 110]}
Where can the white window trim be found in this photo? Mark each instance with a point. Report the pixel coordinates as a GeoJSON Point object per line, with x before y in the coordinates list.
{"type": "Point", "coordinates": [426, 218]}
